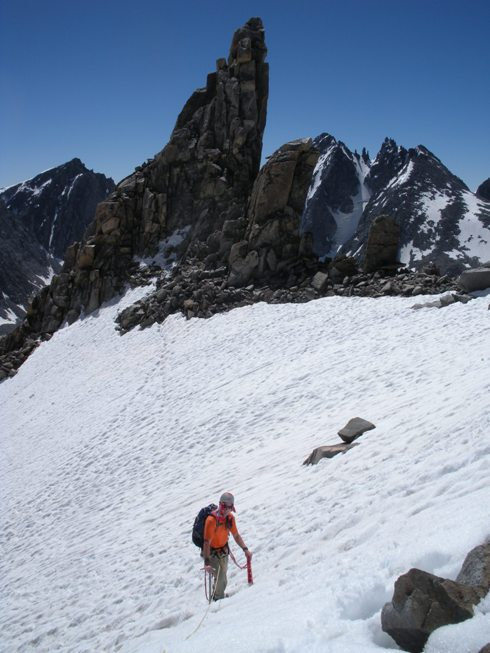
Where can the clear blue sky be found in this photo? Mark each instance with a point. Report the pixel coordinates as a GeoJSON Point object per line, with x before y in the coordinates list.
{"type": "Point", "coordinates": [104, 80]}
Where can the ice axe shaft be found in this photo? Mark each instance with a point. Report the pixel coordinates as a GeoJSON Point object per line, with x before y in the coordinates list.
{"type": "Point", "coordinates": [250, 577]}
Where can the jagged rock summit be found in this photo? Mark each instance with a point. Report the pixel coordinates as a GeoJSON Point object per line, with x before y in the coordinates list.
{"type": "Point", "coordinates": [440, 220]}
{"type": "Point", "coordinates": [291, 232]}
{"type": "Point", "coordinates": [198, 182]}
{"type": "Point", "coordinates": [39, 218]}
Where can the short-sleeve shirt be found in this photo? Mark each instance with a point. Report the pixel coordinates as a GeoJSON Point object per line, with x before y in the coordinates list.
{"type": "Point", "coordinates": [217, 533]}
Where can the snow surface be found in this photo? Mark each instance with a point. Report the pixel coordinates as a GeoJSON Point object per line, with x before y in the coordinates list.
{"type": "Point", "coordinates": [111, 445]}
{"type": "Point", "coordinates": [9, 317]}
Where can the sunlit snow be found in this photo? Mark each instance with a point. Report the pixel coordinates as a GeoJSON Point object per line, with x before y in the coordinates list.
{"type": "Point", "coordinates": [111, 444]}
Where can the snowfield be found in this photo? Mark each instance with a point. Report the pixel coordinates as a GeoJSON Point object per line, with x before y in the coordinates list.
{"type": "Point", "coordinates": [110, 445]}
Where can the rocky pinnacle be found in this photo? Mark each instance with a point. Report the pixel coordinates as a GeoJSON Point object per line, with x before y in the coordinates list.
{"type": "Point", "coordinates": [201, 179]}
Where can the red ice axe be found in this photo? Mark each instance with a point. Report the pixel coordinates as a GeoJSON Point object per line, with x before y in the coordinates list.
{"type": "Point", "coordinates": [250, 577]}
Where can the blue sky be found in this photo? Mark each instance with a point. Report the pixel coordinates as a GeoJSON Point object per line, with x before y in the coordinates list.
{"type": "Point", "coordinates": [104, 80]}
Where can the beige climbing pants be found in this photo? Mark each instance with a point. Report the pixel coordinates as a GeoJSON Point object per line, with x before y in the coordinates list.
{"type": "Point", "coordinates": [219, 562]}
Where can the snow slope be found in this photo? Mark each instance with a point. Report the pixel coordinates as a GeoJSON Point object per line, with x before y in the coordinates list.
{"type": "Point", "coordinates": [111, 445]}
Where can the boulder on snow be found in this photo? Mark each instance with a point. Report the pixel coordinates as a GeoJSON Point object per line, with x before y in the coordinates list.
{"type": "Point", "coordinates": [327, 451]}
{"type": "Point", "coordinates": [423, 602]}
{"type": "Point", "coordinates": [475, 279]}
{"type": "Point", "coordinates": [476, 568]}
{"type": "Point", "coordinates": [485, 649]}
{"type": "Point", "coordinates": [443, 301]}
{"type": "Point", "coordinates": [354, 428]}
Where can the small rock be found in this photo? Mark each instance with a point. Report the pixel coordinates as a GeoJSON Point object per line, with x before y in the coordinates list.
{"type": "Point", "coordinates": [320, 281]}
{"type": "Point", "coordinates": [327, 451]}
{"type": "Point", "coordinates": [354, 428]}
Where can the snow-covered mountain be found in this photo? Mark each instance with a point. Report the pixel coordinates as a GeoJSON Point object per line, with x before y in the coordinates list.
{"type": "Point", "coordinates": [39, 219]}
{"type": "Point", "coordinates": [110, 445]}
{"type": "Point", "coordinates": [337, 196]}
{"type": "Point", "coordinates": [441, 220]}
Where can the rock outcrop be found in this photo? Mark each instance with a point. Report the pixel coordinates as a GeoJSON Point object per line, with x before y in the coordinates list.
{"type": "Point", "coordinates": [199, 182]}
{"type": "Point", "coordinates": [272, 247]}
{"type": "Point", "coordinates": [423, 602]}
{"type": "Point", "coordinates": [383, 244]}
{"type": "Point", "coordinates": [476, 278]}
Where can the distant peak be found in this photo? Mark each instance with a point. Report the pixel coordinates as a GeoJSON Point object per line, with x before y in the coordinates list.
{"type": "Point", "coordinates": [324, 141]}
{"type": "Point", "coordinates": [389, 144]}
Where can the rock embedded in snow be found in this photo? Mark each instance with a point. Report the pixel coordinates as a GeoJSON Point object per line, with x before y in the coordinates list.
{"type": "Point", "coordinates": [422, 603]}
{"type": "Point", "coordinates": [476, 568]}
{"type": "Point", "coordinates": [327, 451]}
{"type": "Point", "coordinates": [443, 301]}
{"type": "Point", "coordinates": [485, 649]}
{"type": "Point", "coordinates": [354, 428]}
{"type": "Point", "coordinates": [475, 279]}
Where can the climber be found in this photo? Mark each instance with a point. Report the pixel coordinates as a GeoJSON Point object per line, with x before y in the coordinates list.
{"type": "Point", "coordinates": [215, 551]}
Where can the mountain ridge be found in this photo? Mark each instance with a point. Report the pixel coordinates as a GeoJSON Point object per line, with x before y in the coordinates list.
{"type": "Point", "coordinates": [39, 219]}
{"type": "Point", "coordinates": [296, 229]}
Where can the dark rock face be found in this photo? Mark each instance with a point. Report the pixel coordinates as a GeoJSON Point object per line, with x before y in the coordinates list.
{"type": "Point", "coordinates": [382, 244]}
{"type": "Point", "coordinates": [197, 184]}
{"type": "Point", "coordinates": [337, 196]}
{"type": "Point", "coordinates": [39, 219]}
{"type": "Point", "coordinates": [272, 243]}
{"type": "Point", "coordinates": [387, 165]}
{"type": "Point", "coordinates": [483, 190]}
{"type": "Point", "coordinates": [423, 602]}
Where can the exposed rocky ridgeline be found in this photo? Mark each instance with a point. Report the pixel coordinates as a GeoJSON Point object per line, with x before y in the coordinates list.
{"type": "Point", "coordinates": [195, 291]}
{"type": "Point", "coordinates": [39, 219]}
{"type": "Point", "coordinates": [440, 220]}
{"type": "Point", "coordinates": [199, 184]}
{"type": "Point", "coordinates": [240, 236]}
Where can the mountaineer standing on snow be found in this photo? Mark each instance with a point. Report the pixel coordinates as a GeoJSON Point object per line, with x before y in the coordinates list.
{"type": "Point", "coordinates": [215, 549]}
